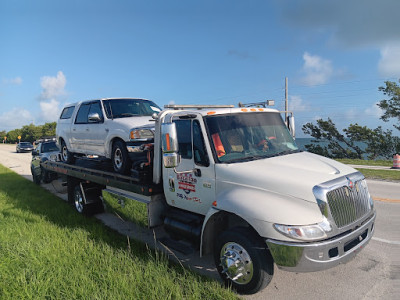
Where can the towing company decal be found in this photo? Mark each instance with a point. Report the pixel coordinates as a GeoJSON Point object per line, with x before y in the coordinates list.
{"type": "Point", "coordinates": [187, 183]}
{"type": "Point", "coordinates": [184, 197]}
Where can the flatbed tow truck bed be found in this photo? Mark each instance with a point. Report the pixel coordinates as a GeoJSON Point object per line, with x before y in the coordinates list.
{"type": "Point", "coordinates": [104, 178]}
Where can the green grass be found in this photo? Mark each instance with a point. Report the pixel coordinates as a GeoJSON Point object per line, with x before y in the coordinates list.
{"type": "Point", "coordinates": [127, 209]}
{"type": "Point", "coordinates": [384, 163]}
{"type": "Point", "coordinates": [48, 251]}
{"type": "Point", "coordinates": [389, 175]}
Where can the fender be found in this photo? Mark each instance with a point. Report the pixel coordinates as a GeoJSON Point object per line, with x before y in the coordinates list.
{"type": "Point", "coordinates": [260, 209]}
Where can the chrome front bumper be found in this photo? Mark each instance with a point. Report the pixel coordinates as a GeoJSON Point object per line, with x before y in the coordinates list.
{"type": "Point", "coordinates": [310, 257]}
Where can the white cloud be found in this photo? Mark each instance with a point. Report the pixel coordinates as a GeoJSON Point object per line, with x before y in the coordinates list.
{"type": "Point", "coordinates": [373, 111]}
{"type": "Point", "coordinates": [12, 81]}
{"type": "Point", "coordinates": [15, 118]}
{"type": "Point", "coordinates": [389, 63]}
{"type": "Point", "coordinates": [296, 104]}
{"type": "Point", "coordinates": [316, 69]}
{"type": "Point", "coordinates": [53, 87]}
{"type": "Point", "coordinates": [356, 23]}
{"type": "Point", "coordinates": [50, 110]}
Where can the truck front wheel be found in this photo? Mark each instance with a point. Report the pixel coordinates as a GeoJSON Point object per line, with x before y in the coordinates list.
{"type": "Point", "coordinates": [243, 261]}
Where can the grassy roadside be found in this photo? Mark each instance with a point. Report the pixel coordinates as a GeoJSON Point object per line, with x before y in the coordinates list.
{"type": "Point", "coordinates": [389, 175]}
{"type": "Point", "coordinates": [48, 251]}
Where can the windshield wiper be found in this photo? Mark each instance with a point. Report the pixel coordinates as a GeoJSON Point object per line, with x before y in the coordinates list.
{"type": "Point", "coordinates": [287, 152]}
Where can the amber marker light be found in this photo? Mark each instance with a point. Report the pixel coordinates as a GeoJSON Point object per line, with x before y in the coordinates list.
{"type": "Point", "coordinates": [168, 142]}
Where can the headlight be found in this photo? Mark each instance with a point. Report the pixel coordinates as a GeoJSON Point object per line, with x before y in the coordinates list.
{"type": "Point", "coordinates": [141, 134]}
{"type": "Point", "coordinates": [305, 232]}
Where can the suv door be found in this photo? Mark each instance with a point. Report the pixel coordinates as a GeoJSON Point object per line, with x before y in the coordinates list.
{"type": "Point", "coordinates": [192, 187]}
{"type": "Point", "coordinates": [96, 133]}
{"type": "Point", "coordinates": [80, 129]}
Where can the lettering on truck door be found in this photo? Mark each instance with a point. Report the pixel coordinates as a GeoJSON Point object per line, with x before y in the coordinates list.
{"type": "Point", "coordinates": [194, 190]}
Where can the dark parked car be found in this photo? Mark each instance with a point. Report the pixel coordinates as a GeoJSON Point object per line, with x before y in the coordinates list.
{"type": "Point", "coordinates": [24, 147]}
{"type": "Point", "coordinates": [44, 151]}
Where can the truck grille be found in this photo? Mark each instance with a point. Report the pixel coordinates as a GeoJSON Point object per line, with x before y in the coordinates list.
{"type": "Point", "coordinates": [349, 204]}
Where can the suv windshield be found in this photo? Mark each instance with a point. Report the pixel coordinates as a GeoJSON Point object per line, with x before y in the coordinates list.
{"type": "Point", "coordinates": [122, 108]}
{"type": "Point", "coordinates": [249, 136]}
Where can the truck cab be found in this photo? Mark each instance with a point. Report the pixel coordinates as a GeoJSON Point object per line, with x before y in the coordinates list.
{"type": "Point", "coordinates": [260, 199]}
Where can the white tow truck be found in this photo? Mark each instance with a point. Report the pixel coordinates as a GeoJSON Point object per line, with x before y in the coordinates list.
{"type": "Point", "coordinates": [234, 183]}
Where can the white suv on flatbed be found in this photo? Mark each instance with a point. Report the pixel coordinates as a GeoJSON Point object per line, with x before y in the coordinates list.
{"type": "Point", "coordinates": [113, 128]}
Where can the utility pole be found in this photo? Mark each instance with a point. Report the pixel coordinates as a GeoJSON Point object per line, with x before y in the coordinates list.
{"type": "Point", "coordinates": [286, 99]}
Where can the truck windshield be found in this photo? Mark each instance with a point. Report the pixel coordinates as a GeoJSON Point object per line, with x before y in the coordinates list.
{"type": "Point", "coordinates": [249, 136]}
{"type": "Point", "coordinates": [122, 108]}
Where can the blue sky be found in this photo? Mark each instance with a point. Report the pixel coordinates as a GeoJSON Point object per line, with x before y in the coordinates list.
{"type": "Point", "coordinates": [335, 54]}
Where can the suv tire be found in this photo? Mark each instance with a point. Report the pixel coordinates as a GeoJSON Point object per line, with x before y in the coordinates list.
{"type": "Point", "coordinates": [120, 159]}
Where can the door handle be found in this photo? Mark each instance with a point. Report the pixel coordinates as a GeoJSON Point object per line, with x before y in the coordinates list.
{"type": "Point", "coordinates": [87, 129]}
{"type": "Point", "coordinates": [107, 130]}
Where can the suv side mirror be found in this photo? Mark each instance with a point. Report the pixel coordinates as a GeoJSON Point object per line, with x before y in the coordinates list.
{"type": "Point", "coordinates": [170, 147]}
{"type": "Point", "coordinates": [34, 153]}
{"type": "Point", "coordinates": [94, 118]}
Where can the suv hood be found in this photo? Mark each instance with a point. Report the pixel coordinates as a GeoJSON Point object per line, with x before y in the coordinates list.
{"type": "Point", "coordinates": [294, 174]}
{"type": "Point", "coordinates": [133, 122]}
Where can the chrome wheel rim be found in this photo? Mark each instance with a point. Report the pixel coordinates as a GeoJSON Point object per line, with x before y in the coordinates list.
{"type": "Point", "coordinates": [65, 153]}
{"type": "Point", "coordinates": [118, 158]}
{"type": "Point", "coordinates": [79, 202]}
{"type": "Point", "coordinates": [236, 263]}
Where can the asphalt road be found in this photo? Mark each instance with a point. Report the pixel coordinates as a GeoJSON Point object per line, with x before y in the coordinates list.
{"type": "Point", "coordinates": [373, 274]}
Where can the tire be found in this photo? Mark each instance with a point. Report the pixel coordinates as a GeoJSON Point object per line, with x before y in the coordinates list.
{"type": "Point", "coordinates": [36, 179]}
{"type": "Point", "coordinates": [120, 159]}
{"type": "Point", "coordinates": [66, 156]}
{"type": "Point", "coordinates": [46, 176]}
{"type": "Point", "coordinates": [243, 261]}
{"type": "Point", "coordinates": [83, 208]}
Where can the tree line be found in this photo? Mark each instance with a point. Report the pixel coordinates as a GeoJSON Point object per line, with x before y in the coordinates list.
{"type": "Point", "coordinates": [29, 133]}
{"type": "Point", "coordinates": [377, 143]}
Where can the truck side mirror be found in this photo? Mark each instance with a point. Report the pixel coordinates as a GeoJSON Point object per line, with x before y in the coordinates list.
{"type": "Point", "coordinates": [169, 145]}
{"type": "Point", "coordinates": [291, 126]}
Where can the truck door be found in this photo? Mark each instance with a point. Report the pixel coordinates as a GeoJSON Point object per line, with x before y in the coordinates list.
{"type": "Point", "coordinates": [192, 186]}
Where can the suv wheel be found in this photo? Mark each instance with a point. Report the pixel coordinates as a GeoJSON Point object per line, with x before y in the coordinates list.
{"type": "Point", "coordinates": [66, 156]}
{"type": "Point", "coordinates": [120, 160]}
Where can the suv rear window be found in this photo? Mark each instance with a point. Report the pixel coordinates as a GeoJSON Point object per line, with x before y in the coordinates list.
{"type": "Point", "coordinates": [67, 112]}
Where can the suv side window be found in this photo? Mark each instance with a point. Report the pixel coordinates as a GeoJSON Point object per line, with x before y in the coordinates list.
{"type": "Point", "coordinates": [96, 108]}
{"type": "Point", "coordinates": [67, 112]}
{"type": "Point", "coordinates": [82, 116]}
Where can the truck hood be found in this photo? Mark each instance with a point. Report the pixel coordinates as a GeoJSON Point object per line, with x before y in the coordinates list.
{"type": "Point", "coordinates": [294, 175]}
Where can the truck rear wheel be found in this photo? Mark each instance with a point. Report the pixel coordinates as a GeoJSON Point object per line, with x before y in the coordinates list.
{"type": "Point", "coordinates": [119, 157]}
{"type": "Point", "coordinates": [243, 261]}
{"type": "Point", "coordinates": [82, 207]}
